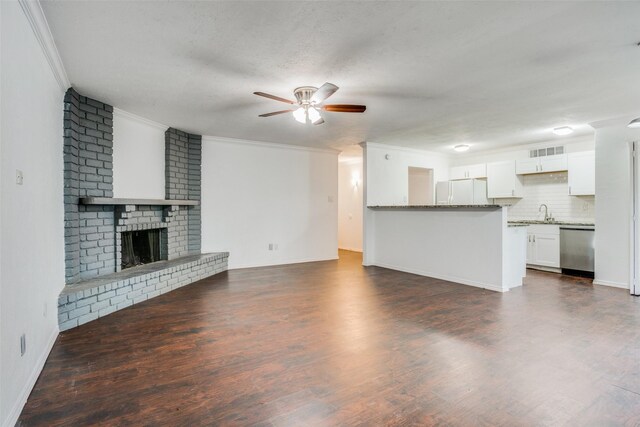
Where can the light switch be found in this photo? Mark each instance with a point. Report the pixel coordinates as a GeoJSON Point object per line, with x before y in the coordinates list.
{"type": "Point", "coordinates": [19, 177]}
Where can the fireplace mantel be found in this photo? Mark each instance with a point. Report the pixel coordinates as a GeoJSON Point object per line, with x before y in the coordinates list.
{"type": "Point", "coordinates": [143, 202]}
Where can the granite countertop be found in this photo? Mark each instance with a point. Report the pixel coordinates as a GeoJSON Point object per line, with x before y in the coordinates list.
{"type": "Point", "coordinates": [437, 207]}
{"type": "Point", "coordinates": [524, 222]}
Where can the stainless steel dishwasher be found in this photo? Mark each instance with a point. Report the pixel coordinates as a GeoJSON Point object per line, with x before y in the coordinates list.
{"type": "Point", "coordinates": [577, 247]}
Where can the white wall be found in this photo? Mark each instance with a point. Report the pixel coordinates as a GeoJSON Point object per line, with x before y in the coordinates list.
{"type": "Point", "coordinates": [350, 205]}
{"type": "Point", "coordinates": [254, 194]}
{"type": "Point", "coordinates": [613, 190]}
{"type": "Point", "coordinates": [32, 244]}
{"type": "Point", "coordinates": [388, 179]}
{"type": "Point", "coordinates": [138, 157]}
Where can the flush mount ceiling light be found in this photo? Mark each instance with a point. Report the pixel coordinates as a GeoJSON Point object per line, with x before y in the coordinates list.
{"type": "Point", "coordinates": [461, 148]}
{"type": "Point", "coordinates": [634, 124]}
{"type": "Point", "coordinates": [563, 130]}
{"type": "Point", "coordinates": [309, 100]}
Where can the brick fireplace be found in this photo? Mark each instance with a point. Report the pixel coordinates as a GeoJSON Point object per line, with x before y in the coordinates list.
{"type": "Point", "coordinates": [96, 283]}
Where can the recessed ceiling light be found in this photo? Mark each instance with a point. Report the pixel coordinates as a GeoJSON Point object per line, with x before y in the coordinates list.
{"type": "Point", "coordinates": [461, 148]}
{"type": "Point", "coordinates": [634, 124]}
{"type": "Point", "coordinates": [563, 130]}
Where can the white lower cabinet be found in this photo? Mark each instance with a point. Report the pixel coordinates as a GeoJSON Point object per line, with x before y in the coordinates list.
{"type": "Point", "coordinates": [543, 246]}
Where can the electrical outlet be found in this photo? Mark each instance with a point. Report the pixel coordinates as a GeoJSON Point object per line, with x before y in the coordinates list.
{"type": "Point", "coordinates": [270, 246]}
{"type": "Point", "coordinates": [19, 177]}
{"type": "Point", "coordinates": [275, 247]}
{"type": "Point", "coordinates": [23, 344]}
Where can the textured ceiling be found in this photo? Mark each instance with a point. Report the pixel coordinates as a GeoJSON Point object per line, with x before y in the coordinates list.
{"type": "Point", "coordinates": [432, 74]}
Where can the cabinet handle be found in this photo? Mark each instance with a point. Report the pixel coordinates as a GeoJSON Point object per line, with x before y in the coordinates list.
{"type": "Point", "coordinates": [569, 190]}
{"type": "Point", "coordinates": [534, 238]}
{"type": "Point", "coordinates": [513, 192]}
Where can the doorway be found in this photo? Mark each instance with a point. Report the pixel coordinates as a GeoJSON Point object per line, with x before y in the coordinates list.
{"type": "Point", "coordinates": [420, 186]}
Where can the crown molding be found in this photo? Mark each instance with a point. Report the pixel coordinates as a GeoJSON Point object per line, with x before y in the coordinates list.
{"type": "Point", "coordinates": [35, 15]}
{"type": "Point", "coordinates": [136, 118]}
{"type": "Point", "coordinates": [235, 141]}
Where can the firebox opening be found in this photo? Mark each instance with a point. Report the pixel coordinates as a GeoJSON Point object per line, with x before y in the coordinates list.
{"type": "Point", "coordinates": [140, 247]}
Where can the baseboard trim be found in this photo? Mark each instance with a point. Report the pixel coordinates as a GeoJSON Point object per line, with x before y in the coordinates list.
{"type": "Point", "coordinates": [446, 277]}
{"type": "Point", "coordinates": [611, 284]}
{"type": "Point", "coordinates": [12, 419]}
{"type": "Point", "coordinates": [287, 262]}
{"type": "Point", "coordinates": [351, 249]}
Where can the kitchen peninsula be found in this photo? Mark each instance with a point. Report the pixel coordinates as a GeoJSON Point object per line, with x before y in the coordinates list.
{"type": "Point", "coordinates": [468, 244]}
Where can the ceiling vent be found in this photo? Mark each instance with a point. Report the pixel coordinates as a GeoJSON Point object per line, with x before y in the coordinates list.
{"type": "Point", "coordinates": [549, 151]}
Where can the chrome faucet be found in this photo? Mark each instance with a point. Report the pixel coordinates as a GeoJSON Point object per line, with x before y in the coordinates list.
{"type": "Point", "coordinates": [547, 217]}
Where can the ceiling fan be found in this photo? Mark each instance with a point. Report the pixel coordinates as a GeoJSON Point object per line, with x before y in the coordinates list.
{"type": "Point", "coordinates": [309, 100]}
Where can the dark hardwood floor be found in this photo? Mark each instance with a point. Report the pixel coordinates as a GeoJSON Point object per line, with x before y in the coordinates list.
{"type": "Point", "coordinates": [333, 343]}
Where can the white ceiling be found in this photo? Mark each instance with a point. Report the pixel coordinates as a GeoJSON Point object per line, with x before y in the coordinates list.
{"type": "Point", "coordinates": [432, 74]}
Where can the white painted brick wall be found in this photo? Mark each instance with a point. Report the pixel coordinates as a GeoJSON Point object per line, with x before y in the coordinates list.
{"type": "Point", "coordinates": [553, 190]}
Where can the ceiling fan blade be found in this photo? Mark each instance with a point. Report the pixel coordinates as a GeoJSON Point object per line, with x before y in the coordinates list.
{"type": "Point", "coordinates": [323, 92]}
{"type": "Point", "coordinates": [277, 98]}
{"type": "Point", "coordinates": [275, 113]}
{"type": "Point", "coordinates": [319, 122]}
{"type": "Point", "coordinates": [345, 108]}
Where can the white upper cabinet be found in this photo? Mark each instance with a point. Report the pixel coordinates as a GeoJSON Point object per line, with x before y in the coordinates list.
{"type": "Point", "coordinates": [582, 173]}
{"type": "Point", "coordinates": [468, 172]}
{"type": "Point", "coordinates": [502, 180]}
{"type": "Point", "coordinates": [542, 164]}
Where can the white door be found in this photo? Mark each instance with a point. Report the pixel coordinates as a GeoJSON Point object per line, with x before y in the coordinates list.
{"type": "Point", "coordinates": [547, 252]}
{"type": "Point", "coordinates": [458, 172]}
{"type": "Point", "coordinates": [527, 166]}
{"type": "Point", "coordinates": [443, 192]}
{"type": "Point", "coordinates": [462, 192]}
{"type": "Point", "coordinates": [531, 249]}
{"type": "Point", "coordinates": [555, 163]}
{"type": "Point", "coordinates": [477, 171]}
{"type": "Point", "coordinates": [501, 179]}
{"type": "Point", "coordinates": [582, 173]}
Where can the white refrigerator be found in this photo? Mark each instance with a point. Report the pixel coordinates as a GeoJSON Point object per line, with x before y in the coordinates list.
{"type": "Point", "coordinates": [462, 192]}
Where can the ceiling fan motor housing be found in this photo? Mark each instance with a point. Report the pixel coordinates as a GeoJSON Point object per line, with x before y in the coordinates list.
{"type": "Point", "coordinates": [304, 93]}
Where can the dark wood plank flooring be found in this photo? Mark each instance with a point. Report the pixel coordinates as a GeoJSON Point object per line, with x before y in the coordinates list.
{"type": "Point", "coordinates": [333, 343]}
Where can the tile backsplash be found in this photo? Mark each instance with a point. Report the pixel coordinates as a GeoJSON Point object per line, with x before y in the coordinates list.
{"type": "Point", "coordinates": [551, 189]}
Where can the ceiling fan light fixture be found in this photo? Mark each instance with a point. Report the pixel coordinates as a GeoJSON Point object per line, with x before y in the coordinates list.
{"type": "Point", "coordinates": [300, 115]}
{"type": "Point", "coordinates": [634, 124]}
{"type": "Point", "coordinates": [461, 148]}
{"type": "Point", "coordinates": [314, 115]}
{"type": "Point", "coordinates": [563, 130]}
